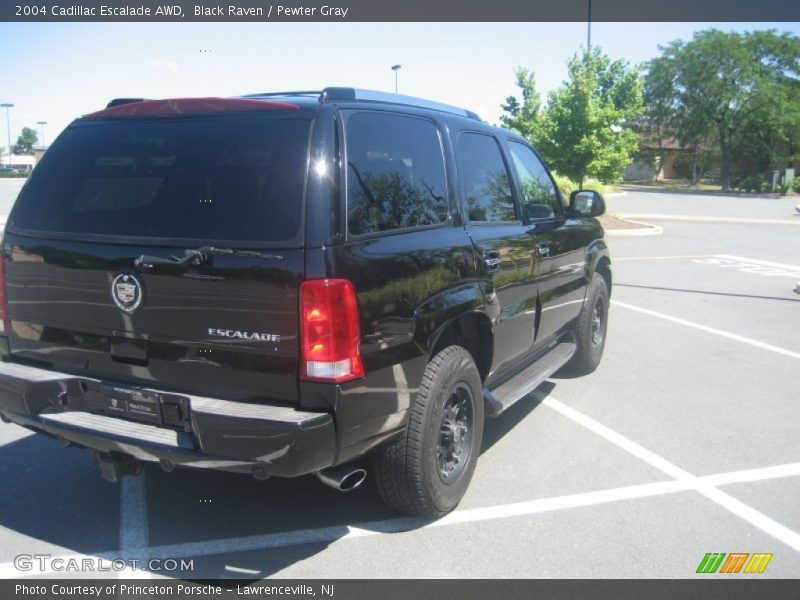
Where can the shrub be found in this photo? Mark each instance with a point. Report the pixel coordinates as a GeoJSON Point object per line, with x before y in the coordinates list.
{"type": "Point", "coordinates": [565, 185]}
{"type": "Point", "coordinates": [596, 186]}
{"type": "Point", "coordinates": [753, 183]}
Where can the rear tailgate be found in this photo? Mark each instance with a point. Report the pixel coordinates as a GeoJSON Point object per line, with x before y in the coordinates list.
{"type": "Point", "coordinates": [112, 191]}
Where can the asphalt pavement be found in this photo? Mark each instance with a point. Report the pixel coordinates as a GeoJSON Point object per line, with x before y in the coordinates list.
{"type": "Point", "coordinates": [685, 441]}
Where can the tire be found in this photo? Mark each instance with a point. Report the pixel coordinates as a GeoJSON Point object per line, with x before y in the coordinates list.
{"type": "Point", "coordinates": [590, 330]}
{"type": "Point", "coordinates": [417, 474]}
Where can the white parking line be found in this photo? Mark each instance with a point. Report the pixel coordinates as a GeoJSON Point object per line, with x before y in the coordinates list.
{"type": "Point", "coordinates": [343, 532]}
{"type": "Point", "coordinates": [763, 263]}
{"type": "Point", "coordinates": [677, 257]}
{"type": "Point", "coordinates": [133, 514]}
{"type": "Point", "coordinates": [719, 332]}
{"type": "Point", "coordinates": [334, 533]}
{"type": "Point", "coordinates": [737, 507]}
{"type": "Point", "coordinates": [133, 533]}
{"type": "Point", "coordinates": [762, 474]}
{"type": "Point", "coordinates": [751, 265]}
{"type": "Point", "coordinates": [710, 219]}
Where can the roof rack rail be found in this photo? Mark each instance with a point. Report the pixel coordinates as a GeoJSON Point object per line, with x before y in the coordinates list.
{"type": "Point", "coordinates": [295, 93]}
{"type": "Point", "coordinates": [119, 101]}
{"type": "Point", "coordinates": [333, 94]}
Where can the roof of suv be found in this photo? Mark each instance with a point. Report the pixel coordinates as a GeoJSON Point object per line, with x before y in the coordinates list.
{"type": "Point", "coordinates": [292, 100]}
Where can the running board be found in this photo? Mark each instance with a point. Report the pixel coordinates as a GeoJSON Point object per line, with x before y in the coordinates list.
{"type": "Point", "coordinates": [523, 383]}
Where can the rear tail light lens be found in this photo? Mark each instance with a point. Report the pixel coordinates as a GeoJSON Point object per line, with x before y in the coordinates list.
{"type": "Point", "coordinates": [329, 331]}
{"type": "Point", "coordinates": [3, 298]}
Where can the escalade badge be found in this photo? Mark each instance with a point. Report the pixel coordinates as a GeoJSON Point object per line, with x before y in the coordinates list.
{"type": "Point", "coordinates": [127, 292]}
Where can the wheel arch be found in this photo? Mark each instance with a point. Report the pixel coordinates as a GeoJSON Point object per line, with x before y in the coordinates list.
{"type": "Point", "coordinates": [472, 331]}
{"type": "Point", "coordinates": [599, 261]}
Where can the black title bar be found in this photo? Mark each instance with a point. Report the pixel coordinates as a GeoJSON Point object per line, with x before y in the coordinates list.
{"type": "Point", "coordinates": [388, 589]}
{"type": "Point", "coordinates": [255, 11]}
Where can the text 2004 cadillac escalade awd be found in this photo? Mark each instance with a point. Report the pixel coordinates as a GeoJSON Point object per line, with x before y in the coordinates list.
{"type": "Point", "coordinates": [285, 284]}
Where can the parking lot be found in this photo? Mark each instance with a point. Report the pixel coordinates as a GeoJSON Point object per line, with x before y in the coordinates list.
{"type": "Point", "coordinates": [685, 441]}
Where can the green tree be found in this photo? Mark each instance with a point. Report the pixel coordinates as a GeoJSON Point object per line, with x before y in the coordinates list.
{"type": "Point", "coordinates": [662, 120]}
{"type": "Point", "coordinates": [738, 92]}
{"type": "Point", "coordinates": [25, 142]}
{"type": "Point", "coordinates": [774, 127]}
{"type": "Point", "coordinates": [525, 118]}
{"type": "Point", "coordinates": [586, 128]}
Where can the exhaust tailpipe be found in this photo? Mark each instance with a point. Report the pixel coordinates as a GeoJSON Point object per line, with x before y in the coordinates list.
{"type": "Point", "coordinates": [342, 478]}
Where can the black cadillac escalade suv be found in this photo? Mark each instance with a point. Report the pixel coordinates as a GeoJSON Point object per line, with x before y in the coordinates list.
{"type": "Point", "coordinates": [284, 284]}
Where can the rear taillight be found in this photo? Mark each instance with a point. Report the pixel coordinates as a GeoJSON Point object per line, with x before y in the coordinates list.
{"type": "Point", "coordinates": [3, 298]}
{"type": "Point", "coordinates": [329, 331]}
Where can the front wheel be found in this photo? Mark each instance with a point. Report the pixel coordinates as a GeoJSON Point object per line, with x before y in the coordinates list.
{"type": "Point", "coordinates": [590, 330]}
{"type": "Point", "coordinates": [426, 471]}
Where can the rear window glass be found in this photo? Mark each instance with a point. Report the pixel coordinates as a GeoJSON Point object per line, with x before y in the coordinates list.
{"type": "Point", "coordinates": [202, 179]}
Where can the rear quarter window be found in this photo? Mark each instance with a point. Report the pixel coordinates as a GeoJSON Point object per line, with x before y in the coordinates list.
{"type": "Point", "coordinates": [395, 173]}
{"type": "Point", "coordinates": [231, 179]}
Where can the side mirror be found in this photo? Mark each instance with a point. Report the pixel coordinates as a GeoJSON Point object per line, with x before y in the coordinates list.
{"type": "Point", "coordinates": [587, 202]}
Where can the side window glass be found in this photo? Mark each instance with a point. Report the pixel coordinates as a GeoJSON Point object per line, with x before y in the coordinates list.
{"type": "Point", "coordinates": [484, 179]}
{"type": "Point", "coordinates": [396, 177]}
{"type": "Point", "coordinates": [539, 196]}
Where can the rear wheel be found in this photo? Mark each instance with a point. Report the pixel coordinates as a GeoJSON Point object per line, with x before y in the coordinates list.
{"type": "Point", "coordinates": [590, 330]}
{"type": "Point", "coordinates": [427, 470]}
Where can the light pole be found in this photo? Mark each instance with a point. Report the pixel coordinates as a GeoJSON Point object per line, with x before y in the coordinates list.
{"type": "Point", "coordinates": [42, 124]}
{"type": "Point", "coordinates": [8, 106]}
{"type": "Point", "coordinates": [396, 68]}
{"type": "Point", "coordinates": [589, 28]}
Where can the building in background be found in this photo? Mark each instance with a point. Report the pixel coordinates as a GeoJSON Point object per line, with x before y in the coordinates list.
{"type": "Point", "coordinates": [22, 162]}
{"type": "Point", "coordinates": [38, 152]}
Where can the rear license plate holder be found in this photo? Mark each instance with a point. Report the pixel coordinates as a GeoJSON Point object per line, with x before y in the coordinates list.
{"type": "Point", "coordinates": [137, 405]}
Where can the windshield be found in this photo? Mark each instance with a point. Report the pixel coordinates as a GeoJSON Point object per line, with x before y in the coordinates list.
{"type": "Point", "coordinates": [233, 179]}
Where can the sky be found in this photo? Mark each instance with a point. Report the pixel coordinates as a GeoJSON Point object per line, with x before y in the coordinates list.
{"type": "Point", "coordinates": [55, 72]}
